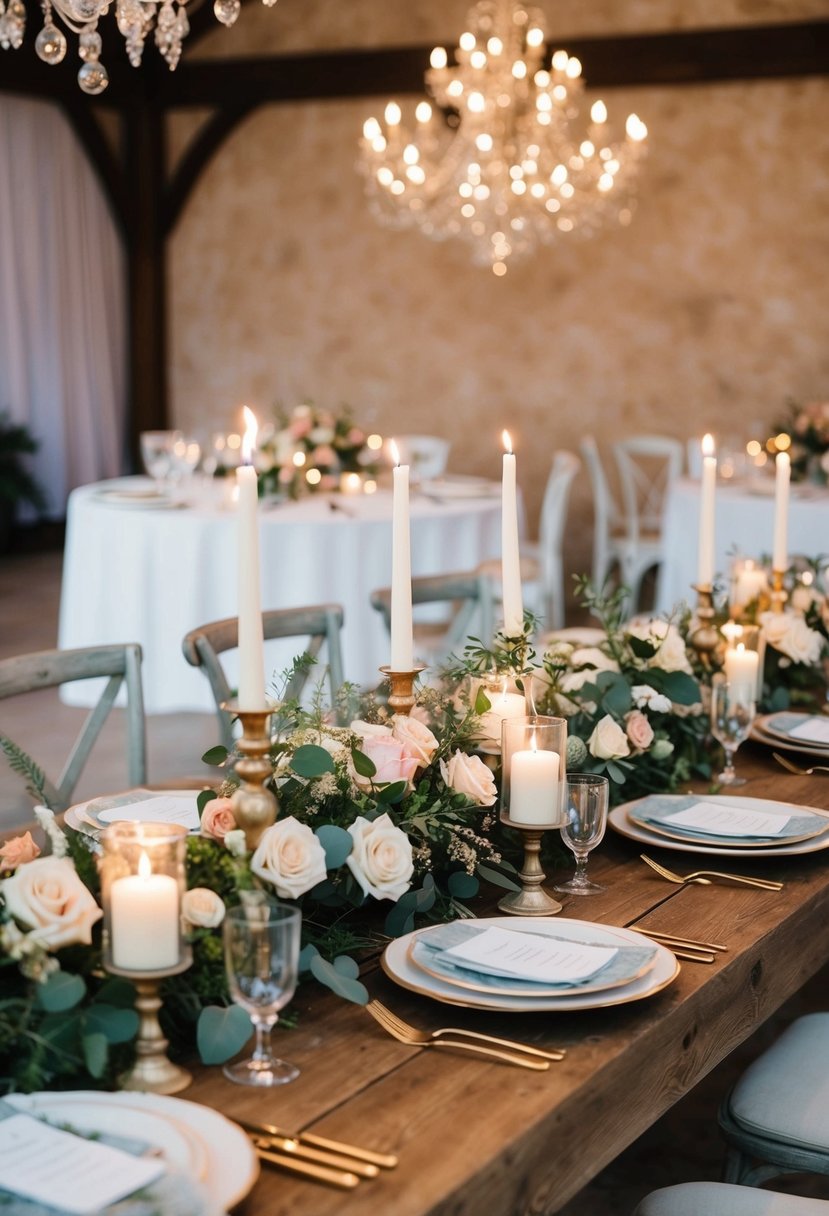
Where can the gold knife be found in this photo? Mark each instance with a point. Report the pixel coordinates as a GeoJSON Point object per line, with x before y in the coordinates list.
{"type": "Point", "coordinates": [345, 1179]}
{"type": "Point", "coordinates": [386, 1161]}
{"type": "Point", "coordinates": [306, 1152]}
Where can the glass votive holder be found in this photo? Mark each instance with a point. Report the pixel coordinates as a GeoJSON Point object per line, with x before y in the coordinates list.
{"type": "Point", "coordinates": [749, 585]}
{"type": "Point", "coordinates": [143, 881]}
{"type": "Point", "coordinates": [743, 657]}
{"type": "Point", "coordinates": [506, 702]}
{"type": "Point", "coordinates": [533, 771]}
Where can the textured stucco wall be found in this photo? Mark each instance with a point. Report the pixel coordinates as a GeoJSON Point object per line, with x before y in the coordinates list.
{"type": "Point", "coordinates": [707, 313]}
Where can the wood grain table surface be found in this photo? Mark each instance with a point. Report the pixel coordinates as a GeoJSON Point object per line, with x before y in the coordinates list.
{"type": "Point", "coordinates": [480, 1137]}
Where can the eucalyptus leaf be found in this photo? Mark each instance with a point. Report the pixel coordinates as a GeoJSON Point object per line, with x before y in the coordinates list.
{"type": "Point", "coordinates": [215, 755]}
{"type": "Point", "coordinates": [116, 1025]}
{"type": "Point", "coordinates": [311, 761]}
{"type": "Point", "coordinates": [349, 989]}
{"type": "Point", "coordinates": [616, 773]}
{"type": "Point", "coordinates": [682, 688]}
{"type": "Point", "coordinates": [463, 885]}
{"type": "Point", "coordinates": [221, 1032]}
{"type": "Point", "coordinates": [364, 766]}
{"type": "Point", "coordinates": [61, 991]}
{"type": "Point", "coordinates": [337, 843]}
{"type": "Point", "coordinates": [488, 874]}
{"type": "Point", "coordinates": [95, 1053]}
{"type": "Point", "coordinates": [116, 991]}
{"type": "Point", "coordinates": [617, 698]}
{"type": "Point", "coordinates": [305, 955]}
{"type": "Point", "coordinates": [347, 966]}
{"type": "Point", "coordinates": [392, 793]}
{"type": "Point", "coordinates": [482, 702]}
{"type": "Point", "coordinates": [202, 799]}
{"type": "Point", "coordinates": [641, 647]}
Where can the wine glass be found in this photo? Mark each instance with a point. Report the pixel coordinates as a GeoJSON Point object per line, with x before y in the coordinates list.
{"type": "Point", "coordinates": [261, 944]}
{"type": "Point", "coordinates": [157, 455]}
{"type": "Point", "coordinates": [587, 802]}
{"type": "Point", "coordinates": [732, 713]}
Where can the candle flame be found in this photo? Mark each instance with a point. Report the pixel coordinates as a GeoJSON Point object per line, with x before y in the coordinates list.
{"type": "Point", "coordinates": [505, 435]}
{"type": "Point", "coordinates": [144, 868]}
{"type": "Point", "coordinates": [395, 452]}
{"type": "Point", "coordinates": [708, 445]}
{"type": "Point", "coordinates": [249, 437]}
{"type": "Point", "coordinates": [741, 647]}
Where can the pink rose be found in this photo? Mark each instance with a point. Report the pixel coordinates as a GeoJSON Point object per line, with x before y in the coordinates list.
{"type": "Point", "coordinates": [639, 730]}
{"type": "Point", "coordinates": [300, 427]}
{"type": "Point", "coordinates": [218, 818]}
{"type": "Point", "coordinates": [17, 851]}
{"type": "Point", "coordinates": [355, 437]}
{"type": "Point", "coordinates": [417, 740]}
{"type": "Point", "coordinates": [389, 759]}
{"type": "Point", "coordinates": [324, 456]}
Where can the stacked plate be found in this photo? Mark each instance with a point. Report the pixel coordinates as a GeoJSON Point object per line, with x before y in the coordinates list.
{"type": "Point", "coordinates": [722, 825]}
{"type": "Point", "coordinates": [146, 498]}
{"type": "Point", "coordinates": [793, 732]}
{"type": "Point", "coordinates": [574, 964]}
{"type": "Point", "coordinates": [159, 806]}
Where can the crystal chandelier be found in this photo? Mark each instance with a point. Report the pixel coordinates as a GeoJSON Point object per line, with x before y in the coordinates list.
{"type": "Point", "coordinates": [504, 159]}
{"type": "Point", "coordinates": [136, 18]}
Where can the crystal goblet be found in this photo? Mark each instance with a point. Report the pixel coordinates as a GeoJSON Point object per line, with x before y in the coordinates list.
{"type": "Point", "coordinates": [584, 827]}
{"type": "Point", "coordinates": [732, 713]}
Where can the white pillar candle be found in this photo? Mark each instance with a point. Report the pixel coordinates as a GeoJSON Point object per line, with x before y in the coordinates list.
{"type": "Point", "coordinates": [402, 643]}
{"type": "Point", "coordinates": [741, 671]}
{"type": "Point", "coordinates": [503, 705]}
{"type": "Point", "coordinates": [783, 470]}
{"type": "Point", "coordinates": [705, 565]}
{"type": "Point", "coordinates": [534, 787]}
{"type": "Point", "coordinates": [749, 582]}
{"type": "Point", "coordinates": [511, 596]}
{"type": "Point", "coordinates": [144, 920]}
{"type": "Point", "coordinates": [251, 643]}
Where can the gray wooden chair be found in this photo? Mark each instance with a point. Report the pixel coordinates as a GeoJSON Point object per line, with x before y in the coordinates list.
{"type": "Point", "coordinates": [320, 625]}
{"type": "Point", "coordinates": [469, 597]}
{"type": "Point", "coordinates": [121, 665]}
{"type": "Point", "coordinates": [722, 1199]}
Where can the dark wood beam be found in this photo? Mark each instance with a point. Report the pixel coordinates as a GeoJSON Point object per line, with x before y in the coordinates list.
{"type": "Point", "coordinates": [200, 150]}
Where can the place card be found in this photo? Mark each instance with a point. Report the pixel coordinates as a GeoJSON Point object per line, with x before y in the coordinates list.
{"type": "Point", "coordinates": [531, 957]}
{"type": "Point", "coordinates": [65, 1171]}
{"type": "Point", "coordinates": [148, 808]}
{"type": "Point", "coordinates": [725, 819]}
{"type": "Point", "coordinates": [813, 730]}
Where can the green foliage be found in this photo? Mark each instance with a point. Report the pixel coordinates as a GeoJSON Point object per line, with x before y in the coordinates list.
{"type": "Point", "coordinates": [22, 764]}
{"type": "Point", "coordinates": [221, 1032]}
{"type": "Point", "coordinates": [16, 482]}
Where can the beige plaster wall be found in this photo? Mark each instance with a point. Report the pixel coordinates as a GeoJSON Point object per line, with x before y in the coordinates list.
{"type": "Point", "coordinates": [707, 313]}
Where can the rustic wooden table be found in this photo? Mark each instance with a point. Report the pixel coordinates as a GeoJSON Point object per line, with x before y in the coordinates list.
{"type": "Point", "coordinates": [474, 1136]}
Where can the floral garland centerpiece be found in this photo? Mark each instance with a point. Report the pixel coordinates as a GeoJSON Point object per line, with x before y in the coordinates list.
{"type": "Point", "coordinates": [310, 449]}
{"type": "Point", "coordinates": [808, 427]}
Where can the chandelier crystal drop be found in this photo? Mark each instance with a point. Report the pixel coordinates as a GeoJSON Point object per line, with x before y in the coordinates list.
{"type": "Point", "coordinates": [505, 159]}
{"type": "Point", "coordinates": [135, 18]}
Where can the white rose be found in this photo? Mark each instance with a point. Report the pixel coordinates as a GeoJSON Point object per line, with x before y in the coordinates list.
{"type": "Point", "coordinates": [469, 775]}
{"type": "Point", "coordinates": [645, 697]}
{"type": "Point", "coordinates": [608, 741]}
{"type": "Point", "coordinates": [364, 729]}
{"type": "Point", "coordinates": [236, 843]}
{"type": "Point", "coordinates": [381, 859]}
{"type": "Point", "coordinates": [802, 598]}
{"type": "Point", "coordinates": [671, 654]}
{"type": "Point", "coordinates": [792, 636]}
{"type": "Point", "coordinates": [597, 660]}
{"type": "Point", "coordinates": [202, 908]}
{"type": "Point", "coordinates": [47, 897]}
{"type": "Point", "coordinates": [290, 857]}
{"type": "Point", "coordinates": [418, 741]}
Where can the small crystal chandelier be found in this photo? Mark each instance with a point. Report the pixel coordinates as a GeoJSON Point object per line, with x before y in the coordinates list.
{"type": "Point", "coordinates": [504, 159]}
{"type": "Point", "coordinates": [135, 18]}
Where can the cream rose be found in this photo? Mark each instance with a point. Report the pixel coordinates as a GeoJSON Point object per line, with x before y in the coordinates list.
{"type": "Point", "coordinates": [381, 860]}
{"type": "Point", "coordinates": [639, 730]}
{"type": "Point", "coordinates": [592, 661]}
{"type": "Point", "coordinates": [47, 897]}
{"type": "Point", "coordinates": [792, 636]}
{"type": "Point", "coordinates": [390, 761]}
{"type": "Point", "coordinates": [218, 819]}
{"type": "Point", "coordinates": [417, 740]}
{"type": "Point", "coordinates": [608, 741]}
{"type": "Point", "coordinates": [671, 654]}
{"type": "Point", "coordinates": [290, 857]}
{"type": "Point", "coordinates": [202, 908]}
{"type": "Point", "coordinates": [17, 851]}
{"type": "Point", "coordinates": [470, 776]}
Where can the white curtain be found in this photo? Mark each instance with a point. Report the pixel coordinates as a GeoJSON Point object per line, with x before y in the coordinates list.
{"type": "Point", "coordinates": [62, 302]}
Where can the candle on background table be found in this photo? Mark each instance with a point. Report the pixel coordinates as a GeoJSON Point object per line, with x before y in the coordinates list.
{"type": "Point", "coordinates": [511, 596]}
{"type": "Point", "coordinates": [144, 920]}
{"type": "Point", "coordinates": [741, 670]}
{"type": "Point", "coordinates": [402, 642]}
{"type": "Point", "coordinates": [783, 471]}
{"type": "Point", "coordinates": [705, 563]}
{"type": "Point", "coordinates": [534, 787]}
{"type": "Point", "coordinates": [251, 639]}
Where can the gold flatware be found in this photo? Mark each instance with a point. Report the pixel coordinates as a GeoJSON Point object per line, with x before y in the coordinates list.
{"type": "Point", "coordinates": [688, 943]}
{"type": "Point", "coordinates": [704, 877]}
{"type": "Point", "coordinates": [344, 1179]}
{"type": "Point", "coordinates": [419, 1038]}
{"type": "Point", "coordinates": [306, 1152]}
{"type": "Point", "coordinates": [386, 1161]}
{"type": "Point", "coordinates": [385, 1016]}
{"type": "Point", "coordinates": [690, 956]}
{"type": "Point", "coordinates": [795, 768]}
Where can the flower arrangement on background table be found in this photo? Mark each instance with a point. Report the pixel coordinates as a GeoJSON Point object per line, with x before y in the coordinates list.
{"type": "Point", "coordinates": [808, 427]}
{"type": "Point", "coordinates": [310, 449]}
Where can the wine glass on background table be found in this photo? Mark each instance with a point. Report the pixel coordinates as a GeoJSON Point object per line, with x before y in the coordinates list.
{"type": "Point", "coordinates": [732, 713]}
{"type": "Point", "coordinates": [157, 455]}
{"type": "Point", "coordinates": [261, 944]}
{"type": "Point", "coordinates": [584, 827]}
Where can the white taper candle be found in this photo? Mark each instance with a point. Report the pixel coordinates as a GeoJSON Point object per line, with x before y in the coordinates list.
{"type": "Point", "coordinates": [705, 565]}
{"type": "Point", "coordinates": [511, 596]}
{"type": "Point", "coordinates": [783, 472]}
{"type": "Point", "coordinates": [402, 645]}
{"type": "Point", "coordinates": [251, 641]}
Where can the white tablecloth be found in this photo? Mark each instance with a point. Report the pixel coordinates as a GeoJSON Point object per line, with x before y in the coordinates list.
{"type": "Point", "coordinates": [135, 574]}
{"type": "Point", "coordinates": [744, 527]}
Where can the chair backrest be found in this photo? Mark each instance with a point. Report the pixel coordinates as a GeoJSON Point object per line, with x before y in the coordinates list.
{"type": "Point", "coordinates": [49, 668]}
{"type": "Point", "coordinates": [554, 506]}
{"type": "Point", "coordinates": [471, 593]}
{"type": "Point", "coordinates": [647, 465]}
{"type": "Point", "coordinates": [426, 454]}
{"type": "Point", "coordinates": [604, 508]}
{"type": "Point", "coordinates": [320, 624]}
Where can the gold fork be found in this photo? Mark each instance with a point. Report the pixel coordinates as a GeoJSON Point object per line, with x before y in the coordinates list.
{"type": "Point", "coordinates": [529, 1057]}
{"type": "Point", "coordinates": [703, 877]}
{"type": "Point", "coordinates": [795, 768]}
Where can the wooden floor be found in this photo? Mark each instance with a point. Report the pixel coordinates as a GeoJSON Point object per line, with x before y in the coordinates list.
{"type": "Point", "coordinates": [683, 1146]}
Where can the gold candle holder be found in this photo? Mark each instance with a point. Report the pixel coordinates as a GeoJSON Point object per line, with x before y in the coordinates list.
{"type": "Point", "coordinates": [778, 591]}
{"type": "Point", "coordinates": [705, 637]}
{"type": "Point", "coordinates": [402, 696]}
{"type": "Point", "coordinates": [532, 899]}
{"type": "Point", "coordinates": [152, 1072]}
{"type": "Point", "coordinates": [254, 807]}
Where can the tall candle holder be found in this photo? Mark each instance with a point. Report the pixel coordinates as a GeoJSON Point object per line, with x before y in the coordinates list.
{"type": "Point", "coordinates": [704, 636]}
{"type": "Point", "coordinates": [402, 697]}
{"type": "Point", "coordinates": [778, 591]}
{"type": "Point", "coordinates": [254, 806]}
{"type": "Point", "coordinates": [143, 880]}
{"type": "Point", "coordinates": [532, 899]}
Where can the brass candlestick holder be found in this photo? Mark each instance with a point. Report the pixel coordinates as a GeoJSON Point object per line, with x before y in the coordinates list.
{"type": "Point", "coordinates": [254, 807]}
{"type": "Point", "coordinates": [402, 696]}
{"type": "Point", "coordinates": [152, 1072]}
{"type": "Point", "coordinates": [704, 636]}
{"type": "Point", "coordinates": [778, 591]}
{"type": "Point", "coordinates": [532, 899]}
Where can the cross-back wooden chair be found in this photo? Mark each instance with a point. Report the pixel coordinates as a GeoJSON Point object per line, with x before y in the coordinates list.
{"type": "Point", "coordinates": [121, 666]}
{"type": "Point", "coordinates": [319, 625]}
{"type": "Point", "coordinates": [470, 595]}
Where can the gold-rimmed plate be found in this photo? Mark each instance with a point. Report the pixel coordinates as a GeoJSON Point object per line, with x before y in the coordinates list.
{"type": "Point", "coordinates": [783, 725]}
{"type": "Point", "coordinates": [619, 820]}
{"type": "Point", "coordinates": [399, 968]}
{"type": "Point", "coordinates": [727, 842]}
{"type": "Point", "coordinates": [760, 735]}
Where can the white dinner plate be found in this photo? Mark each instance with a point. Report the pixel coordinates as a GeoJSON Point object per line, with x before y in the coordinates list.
{"type": "Point", "coordinates": [779, 726]}
{"type": "Point", "coordinates": [621, 822]}
{"type": "Point", "coordinates": [192, 1138]}
{"type": "Point", "coordinates": [85, 816]}
{"type": "Point", "coordinates": [399, 967]}
{"type": "Point", "coordinates": [758, 735]}
{"type": "Point", "coordinates": [144, 499]}
{"type": "Point", "coordinates": [655, 814]}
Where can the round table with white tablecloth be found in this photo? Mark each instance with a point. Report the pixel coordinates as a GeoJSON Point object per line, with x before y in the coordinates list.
{"type": "Point", "coordinates": [142, 572]}
{"type": "Point", "coordinates": [744, 527]}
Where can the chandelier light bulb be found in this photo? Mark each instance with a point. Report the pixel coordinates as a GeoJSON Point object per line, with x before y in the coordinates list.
{"type": "Point", "coordinates": [423, 112]}
{"type": "Point", "coordinates": [495, 46]}
{"type": "Point", "coordinates": [371, 129]}
{"type": "Point", "coordinates": [476, 103]}
{"type": "Point", "coordinates": [519, 69]}
{"type": "Point", "coordinates": [411, 154]}
{"type": "Point", "coordinates": [636, 129]}
{"type": "Point", "coordinates": [598, 112]}
{"type": "Point", "coordinates": [455, 88]}
{"type": "Point", "coordinates": [483, 142]}
{"type": "Point", "coordinates": [477, 60]}
{"type": "Point", "coordinates": [393, 114]}
{"type": "Point", "coordinates": [535, 36]}
{"type": "Point", "coordinates": [573, 69]}
{"type": "Point", "coordinates": [438, 58]}
{"type": "Point", "coordinates": [560, 61]}
{"type": "Point", "coordinates": [467, 42]}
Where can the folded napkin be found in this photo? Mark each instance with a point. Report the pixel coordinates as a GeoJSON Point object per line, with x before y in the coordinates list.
{"type": "Point", "coordinates": [732, 818]}
{"type": "Point", "coordinates": [807, 728]}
